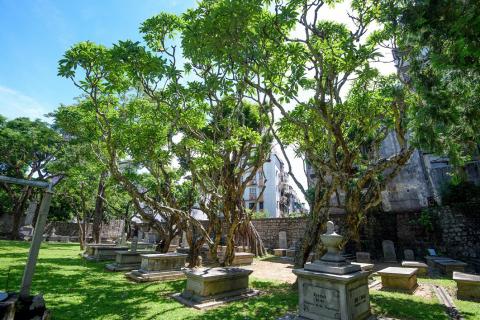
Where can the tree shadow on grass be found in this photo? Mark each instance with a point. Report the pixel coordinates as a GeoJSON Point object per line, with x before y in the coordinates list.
{"type": "Point", "coordinates": [404, 306]}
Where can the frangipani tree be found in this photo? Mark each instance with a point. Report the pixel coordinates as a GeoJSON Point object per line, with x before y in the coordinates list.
{"type": "Point", "coordinates": [336, 108]}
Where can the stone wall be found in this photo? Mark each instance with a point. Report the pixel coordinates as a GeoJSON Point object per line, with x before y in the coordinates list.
{"type": "Point", "coordinates": [456, 234]}
{"type": "Point", "coordinates": [110, 230]}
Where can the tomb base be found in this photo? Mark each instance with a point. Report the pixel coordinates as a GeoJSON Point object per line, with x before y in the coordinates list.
{"type": "Point", "coordinates": [468, 286]}
{"type": "Point", "coordinates": [158, 267]}
{"type": "Point", "coordinates": [127, 260]}
{"type": "Point", "coordinates": [399, 279]}
{"type": "Point", "coordinates": [209, 287]}
{"type": "Point", "coordinates": [102, 252]}
{"type": "Point", "coordinates": [333, 296]}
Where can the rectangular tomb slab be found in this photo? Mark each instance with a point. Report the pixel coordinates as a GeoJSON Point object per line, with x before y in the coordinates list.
{"type": "Point", "coordinates": [468, 285]}
{"type": "Point", "coordinates": [209, 287]}
{"type": "Point", "coordinates": [280, 252]}
{"type": "Point", "coordinates": [403, 279]}
{"type": "Point", "coordinates": [102, 252]}
{"type": "Point", "coordinates": [449, 266]}
{"type": "Point", "coordinates": [243, 258]}
{"type": "Point", "coordinates": [127, 260]}
{"type": "Point", "coordinates": [160, 266]}
{"type": "Point", "coordinates": [422, 267]}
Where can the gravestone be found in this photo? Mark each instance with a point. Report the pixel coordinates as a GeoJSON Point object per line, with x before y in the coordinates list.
{"type": "Point", "coordinates": [30, 212]}
{"type": "Point", "coordinates": [409, 255]}
{"type": "Point", "coordinates": [333, 288]}
{"type": "Point", "coordinates": [363, 257]}
{"type": "Point", "coordinates": [282, 240]}
{"type": "Point", "coordinates": [432, 252]}
{"type": "Point", "coordinates": [134, 244]}
{"type": "Point", "coordinates": [403, 279]}
{"type": "Point", "coordinates": [389, 254]}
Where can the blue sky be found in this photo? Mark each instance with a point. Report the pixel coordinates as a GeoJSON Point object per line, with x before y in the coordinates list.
{"type": "Point", "coordinates": [34, 34]}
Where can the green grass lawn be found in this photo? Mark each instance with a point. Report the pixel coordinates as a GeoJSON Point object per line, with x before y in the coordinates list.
{"type": "Point", "coordinates": [75, 288]}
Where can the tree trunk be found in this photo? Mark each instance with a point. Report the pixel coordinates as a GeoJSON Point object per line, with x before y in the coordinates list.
{"type": "Point", "coordinates": [81, 236]}
{"type": "Point", "coordinates": [312, 237]}
{"type": "Point", "coordinates": [230, 249]}
{"type": "Point", "coordinates": [99, 202]}
{"type": "Point", "coordinates": [18, 209]}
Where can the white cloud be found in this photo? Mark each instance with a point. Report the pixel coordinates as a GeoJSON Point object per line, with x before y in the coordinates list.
{"type": "Point", "coordinates": [14, 104]}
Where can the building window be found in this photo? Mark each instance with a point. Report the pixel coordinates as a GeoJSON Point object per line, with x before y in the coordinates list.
{"type": "Point", "coordinates": [251, 205]}
{"type": "Point", "coordinates": [252, 193]}
{"type": "Point", "coordinates": [260, 205]}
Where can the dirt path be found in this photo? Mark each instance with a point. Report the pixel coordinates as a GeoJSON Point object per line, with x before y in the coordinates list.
{"type": "Point", "coordinates": [274, 269]}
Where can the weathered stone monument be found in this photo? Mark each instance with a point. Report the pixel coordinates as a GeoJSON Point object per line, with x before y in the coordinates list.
{"type": "Point", "coordinates": [389, 254]}
{"type": "Point", "coordinates": [468, 285]}
{"type": "Point", "coordinates": [363, 257]}
{"type": "Point", "coordinates": [127, 260]}
{"type": "Point", "coordinates": [102, 251]}
{"type": "Point", "coordinates": [184, 243]}
{"type": "Point", "coordinates": [402, 279]}
{"type": "Point", "coordinates": [422, 267]}
{"type": "Point", "coordinates": [159, 266]}
{"type": "Point", "coordinates": [282, 244]}
{"type": "Point", "coordinates": [209, 287]}
{"type": "Point", "coordinates": [408, 255]}
{"type": "Point", "coordinates": [332, 288]}
{"type": "Point", "coordinates": [30, 212]}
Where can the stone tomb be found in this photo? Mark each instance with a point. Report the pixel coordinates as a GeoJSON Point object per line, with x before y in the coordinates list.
{"type": "Point", "coordinates": [101, 252]}
{"type": "Point", "coordinates": [243, 258]}
{"type": "Point", "coordinates": [160, 266]}
{"type": "Point", "coordinates": [209, 287]}
{"type": "Point", "coordinates": [389, 254]}
{"type": "Point", "coordinates": [431, 260]}
{"type": "Point", "coordinates": [422, 267]}
{"type": "Point", "coordinates": [468, 285]}
{"type": "Point", "coordinates": [363, 257]}
{"type": "Point", "coordinates": [448, 266]}
{"type": "Point", "coordinates": [280, 252]}
{"type": "Point", "coordinates": [127, 260]}
{"type": "Point", "coordinates": [408, 255]}
{"type": "Point", "coordinates": [402, 279]}
{"type": "Point", "coordinates": [332, 288]}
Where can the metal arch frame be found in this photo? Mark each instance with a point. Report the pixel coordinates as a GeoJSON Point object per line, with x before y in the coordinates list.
{"type": "Point", "coordinates": [38, 231]}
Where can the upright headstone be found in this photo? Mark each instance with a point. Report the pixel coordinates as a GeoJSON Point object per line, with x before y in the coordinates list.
{"type": "Point", "coordinates": [32, 207]}
{"type": "Point", "coordinates": [282, 240]}
{"type": "Point", "coordinates": [432, 252]}
{"type": "Point", "coordinates": [408, 255]}
{"type": "Point", "coordinates": [389, 254]}
{"type": "Point", "coordinates": [134, 244]}
{"type": "Point", "coordinates": [363, 257]}
{"type": "Point", "coordinates": [140, 235]}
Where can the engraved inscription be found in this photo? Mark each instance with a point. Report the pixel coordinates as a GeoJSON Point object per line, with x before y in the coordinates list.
{"type": "Point", "coordinates": [360, 300]}
{"type": "Point", "coordinates": [319, 301]}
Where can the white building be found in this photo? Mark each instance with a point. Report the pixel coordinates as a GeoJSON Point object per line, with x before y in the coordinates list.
{"type": "Point", "coordinates": [271, 192]}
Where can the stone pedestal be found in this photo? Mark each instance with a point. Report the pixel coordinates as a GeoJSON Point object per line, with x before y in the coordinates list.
{"type": "Point", "coordinates": [243, 258]}
{"type": "Point", "coordinates": [332, 288]}
{"type": "Point", "coordinates": [331, 296]}
{"type": "Point", "coordinates": [402, 279]}
{"type": "Point", "coordinates": [422, 267]}
{"type": "Point", "coordinates": [468, 285]}
{"type": "Point", "coordinates": [127, 260]}
{"type": "Point", "coordinates": [102, 252]}
{"type": "Point", "coordinates": [280, 252]}
{"type": "Point", "coordinates": [157, 267]}
{"type": "Point", "coordinates": [447, 267]}
{"type": "Point", "coordinates": [208, 287]}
